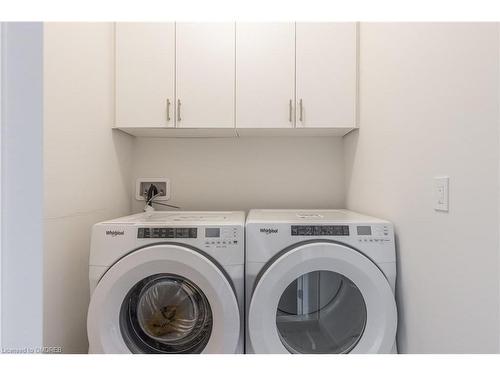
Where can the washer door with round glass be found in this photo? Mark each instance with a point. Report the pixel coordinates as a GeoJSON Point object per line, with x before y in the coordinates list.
{"type": "Point", "coordinates": [164, 299]}
{"type": "Point", "coordinates": [322, 298]}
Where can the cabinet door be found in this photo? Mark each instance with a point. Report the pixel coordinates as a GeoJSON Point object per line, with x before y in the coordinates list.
{"type": "Point", "coordinates": [145, 63]}
{"type": "Point", "coordinates": [265, 75]}
{"type": "Point", "coordinates": [205, 75]}
{"type": "Point", "coordinates": [326, 75]}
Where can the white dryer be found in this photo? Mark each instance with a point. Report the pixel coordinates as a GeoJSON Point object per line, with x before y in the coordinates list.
{"type": "Point", "coordinates": [319, 281]}
{"type": "Point", "coordinates": [167, 282]}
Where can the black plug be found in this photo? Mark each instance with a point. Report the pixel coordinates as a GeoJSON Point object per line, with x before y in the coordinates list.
{"type": "Point", "coordinates": [152, 191]}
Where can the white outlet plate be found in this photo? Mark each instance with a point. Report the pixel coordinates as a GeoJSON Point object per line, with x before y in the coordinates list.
{"type": "Point", "coordinates": [441, 194]}
{"type": "Point", "coordinates": [139, 194]}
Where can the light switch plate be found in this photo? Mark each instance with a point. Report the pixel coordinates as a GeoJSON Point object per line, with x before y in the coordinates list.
{"type": "Point", "coordinates": [441, 193]}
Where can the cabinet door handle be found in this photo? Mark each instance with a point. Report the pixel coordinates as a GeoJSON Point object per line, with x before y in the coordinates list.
{"type": "Point", "coordinates": [290, 110]}
{"type": "Point", "coordinates": [300, 110]}
{"type": "Point", "coordinates": [168, 110]}
{"type": "Point", "coordinates": [178, 110]}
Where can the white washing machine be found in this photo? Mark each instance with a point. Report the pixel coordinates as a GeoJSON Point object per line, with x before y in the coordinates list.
{"type": "Point", "coordinates": [319, 281]}
{"type": "Point", "coordinates": [167, 282]}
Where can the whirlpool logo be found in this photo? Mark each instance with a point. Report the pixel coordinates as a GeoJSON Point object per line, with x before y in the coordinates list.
{"type": "Point", "coordinates": [114, 233]}
{"type": "Point", "coordinates": [269, 230]}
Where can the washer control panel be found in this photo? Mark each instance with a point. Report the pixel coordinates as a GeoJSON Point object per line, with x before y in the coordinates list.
{"type": "Point", "coordinates": [165, 232]}
{"type": "Point", "coordinates": [207, 237]}
{"type": "Point", "coordinates": [373, 233]}
{"type": "Point", "coordinates": [220, 237]}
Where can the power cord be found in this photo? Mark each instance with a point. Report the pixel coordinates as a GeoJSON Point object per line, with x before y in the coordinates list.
{"type": "Point", "coordinates": [151, 195]}
{"type": "Point", "coordinates": [152, 192]}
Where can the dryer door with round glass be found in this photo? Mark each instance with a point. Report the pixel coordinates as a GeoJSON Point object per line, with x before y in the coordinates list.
{"type": "Point", "coordinates": [322, 297]}
{"type": "Point", "coordinates": [165, 298]}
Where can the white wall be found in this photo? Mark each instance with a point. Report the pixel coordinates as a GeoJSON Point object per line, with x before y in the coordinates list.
{"type": "Point", "coordinates": [244, 173]}
{"type": "Point", "coordinates": [21, 171]}
{"type": "Point", "coordinates": [86, 169]}
{"type": "Point", "coordinates": [429, 107]}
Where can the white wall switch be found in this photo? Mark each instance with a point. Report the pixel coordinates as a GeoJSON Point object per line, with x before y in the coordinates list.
{"type": "Point", "coordinates": [441, 193]}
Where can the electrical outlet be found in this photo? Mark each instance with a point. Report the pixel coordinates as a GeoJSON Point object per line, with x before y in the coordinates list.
{"type": "Point", "coordinates": [143, 184]}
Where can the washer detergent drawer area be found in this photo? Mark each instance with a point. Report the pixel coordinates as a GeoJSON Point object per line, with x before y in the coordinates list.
{"type": "Point", "coordinates": [166, 299]}
{"type": "Point", "coordinates": [322, 298]}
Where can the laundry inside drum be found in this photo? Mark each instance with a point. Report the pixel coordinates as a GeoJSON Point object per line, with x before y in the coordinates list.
{"type": "Point", "coordinates": [166, 313]}
{"type": "Point", "coordinates": [167, 310]}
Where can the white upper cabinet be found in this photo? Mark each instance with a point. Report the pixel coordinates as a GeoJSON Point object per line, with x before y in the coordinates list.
{"type": "Point", "coordinates": [326, 75]}
{"type": "Point", "coordinates": [265, 75]}
{"type": "Point", "coordinates": [205, 54]}
{"type": "Point", "coordinates": [145, 72]}
{"type": "Point", "coordinates": [236, 79]}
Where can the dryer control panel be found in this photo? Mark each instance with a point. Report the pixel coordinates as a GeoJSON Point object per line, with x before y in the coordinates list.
{"type": "Point", "coordinates": [373, 233]}
{"type": "Point", "coordinates": [320, 230]}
